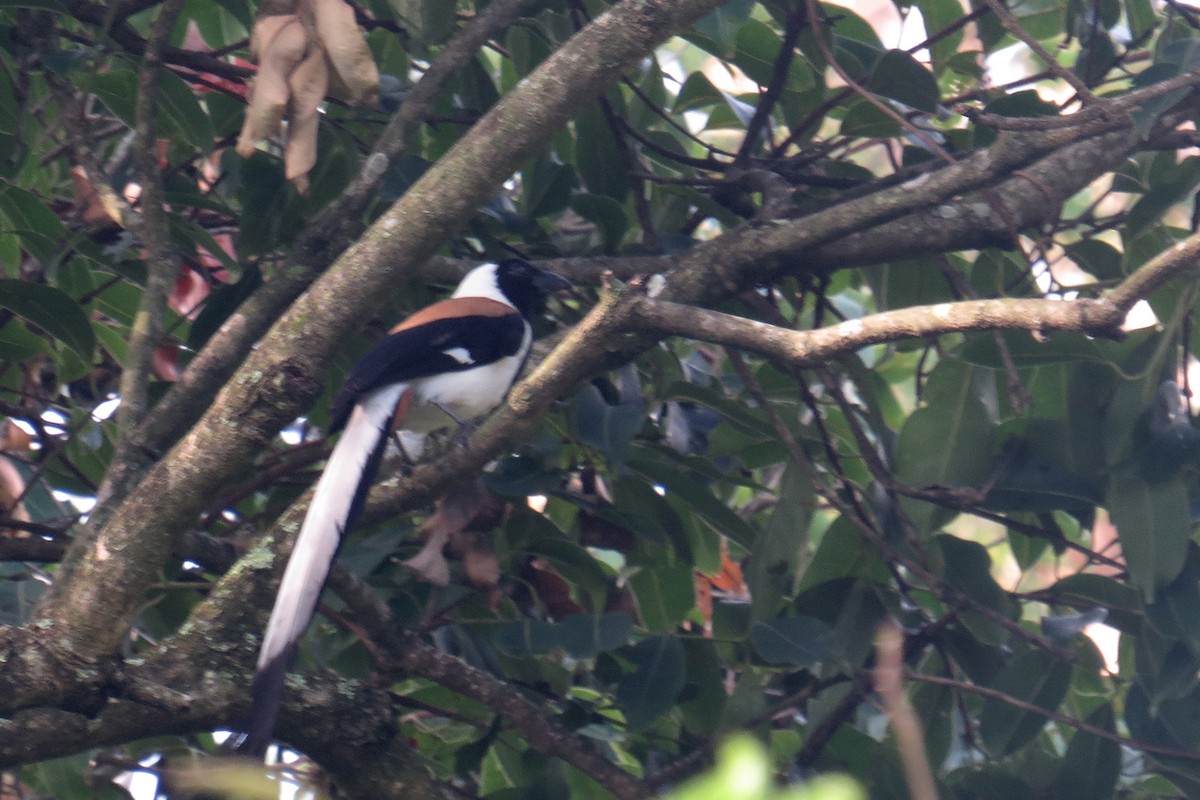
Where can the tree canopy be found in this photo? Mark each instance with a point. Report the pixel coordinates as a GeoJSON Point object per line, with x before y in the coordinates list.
{"type": "Point", "coordinates": [871, 401]}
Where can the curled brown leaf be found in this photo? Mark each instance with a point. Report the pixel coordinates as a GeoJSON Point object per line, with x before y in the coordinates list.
{"type": "Point", "coordinates": [270, 93]}
{"type": "Point", "coordinates": [266, 28]}
{"type": "Point", "coordinates": [347, 51]}
{"type": "Point", "coordinates": [308, 84]}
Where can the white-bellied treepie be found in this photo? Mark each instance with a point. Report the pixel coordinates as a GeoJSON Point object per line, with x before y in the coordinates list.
{"type": "Point", "coordinates": [448, 362]}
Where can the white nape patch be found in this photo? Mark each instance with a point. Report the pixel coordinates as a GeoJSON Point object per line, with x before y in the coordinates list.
{"type": "Point", "coordinates": [460, 354]}
{"type": "Point", "coordinates": [656, 285]}
{"type": "Point", "coordinates": [481, 282]}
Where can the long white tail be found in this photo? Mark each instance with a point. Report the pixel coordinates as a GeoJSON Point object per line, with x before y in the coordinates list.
{"type": "Point", "coordinates": [337, 500]}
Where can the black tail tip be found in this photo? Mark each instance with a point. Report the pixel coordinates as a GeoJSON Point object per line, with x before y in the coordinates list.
{"type": "Point", "coordinates": [266, 694]}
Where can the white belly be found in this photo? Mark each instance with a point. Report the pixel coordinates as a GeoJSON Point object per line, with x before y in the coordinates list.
{"type": "Point", "coordinates": [484, 388]}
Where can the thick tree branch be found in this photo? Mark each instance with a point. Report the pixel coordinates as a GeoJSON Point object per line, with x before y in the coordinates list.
{"type": "Point", "coordinates": [813, 347]}
{"type": "Point", "coordinates": [162, 263]}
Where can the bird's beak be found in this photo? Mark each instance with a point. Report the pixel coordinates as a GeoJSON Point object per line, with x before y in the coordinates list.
{"type": "Point", "coordinates": [548, 283]}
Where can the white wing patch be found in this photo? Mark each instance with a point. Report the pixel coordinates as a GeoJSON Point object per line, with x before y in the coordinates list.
{"type": "Point", "coordinates": [460, 354]}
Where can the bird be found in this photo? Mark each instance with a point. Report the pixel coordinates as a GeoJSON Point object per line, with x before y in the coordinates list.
{"type": "Point", "coordinates": [445, 364]}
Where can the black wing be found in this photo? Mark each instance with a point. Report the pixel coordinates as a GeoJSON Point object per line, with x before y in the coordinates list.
{"type": "Point", "coordinates": [419, 352]}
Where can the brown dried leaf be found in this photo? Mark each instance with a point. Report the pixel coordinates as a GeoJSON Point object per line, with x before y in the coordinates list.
{"type": "Point", "coordinates": [552, 589]}
{"type": "Point", "coordinates": [481, 567]}
{"type": "Point", "coordinates": [347, 51]}
{"type": "Point", "coordinates": [14, 438]}
{"type": "Point", "coordinates": [266, 28]}
{"type": "Point", "coordinates": [430, 564]}
{"type": "Point", "coordinates": [92, 205]}
{"type": "Point", "coordinates": [270, 93]}
{"type": "Point", "coordinates": [468, 508]}
{"type": "Point", "coordinates": [12, 489]}
{"type": "Point", "coordinates": [308, 83]}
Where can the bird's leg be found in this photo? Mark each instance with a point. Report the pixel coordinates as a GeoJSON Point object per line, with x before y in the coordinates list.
{"type": "Point", "coordinates": [465, 426]}
{"type": "Point", "coordinates": [406, 461]}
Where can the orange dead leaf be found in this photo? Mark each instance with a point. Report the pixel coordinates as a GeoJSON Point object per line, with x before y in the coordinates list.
{"type": "Point", "coordinates": [730, 579]}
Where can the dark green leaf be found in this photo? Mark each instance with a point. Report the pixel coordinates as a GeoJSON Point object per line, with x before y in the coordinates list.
{"type": "Point", "coordinates": [1097, 257]}
{"type": "Point", "coordinates": [585, 635]}
{"type": "Point", "coordinates": [697, 92]}
{"type": "Point", "coordinates": [781, 546]}
{"type": "Point", "coordinates": [1154, 524]}
{"type": "Point", "coordinates": [938, 16]}
{"type": "Point", "coordinates": [1172, 183]}
{"type": "Point", "coordinates": [698, 498]}
{"type": "Point", "coordinates": [735, 412]}
{"type": "Point", "coordinates": [606, 214]}
{"type": "Point", "coordinates": [18, 343]}
{"type": "Point", "coordinates": [721, 26]}
{"type": "Point", "coordinates": [36, 227]}
{"type": "Point", "coordinates": [899, 76]}
{"type": "Point", "coordinates": [664, 595]}
{"type": "Point", "coordinates": [968, 568]}
{"type": "Point", "coordinates": [51, 310]}
{"type": "Point", "coordinates": [608, 427]}
{"type": "Point", "coordinates": [948, 442]}
{"type": "Point", "coordinates": [1034, 677]}
{"type": "Point", "coordinates": [186, 118]}
{"type": "Point", "coordinates": [800, 641]}
{"type": "Point", "coordinates": [865, 120]}
{"type": "Point", "coordinates": [526, 637]}
{"type": "Point", "coordinates": [660, 669]}
{"type": "Point", "coordinates": [758, 47]}
{"type": "Point", "coordinates": [599, 159]}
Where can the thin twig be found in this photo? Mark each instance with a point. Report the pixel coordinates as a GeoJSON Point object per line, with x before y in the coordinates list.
{"type": "Point", "coordinates": [1078, 724]}
{"type": "Point", "coordinates": [1013, 25]}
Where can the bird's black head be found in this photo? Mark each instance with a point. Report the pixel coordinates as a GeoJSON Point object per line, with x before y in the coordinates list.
{"type": "Point", "coordinates": [526, 286]}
